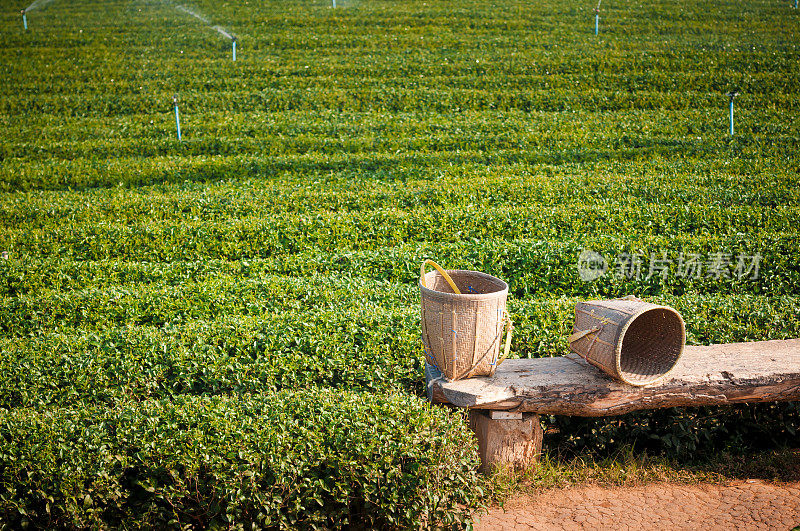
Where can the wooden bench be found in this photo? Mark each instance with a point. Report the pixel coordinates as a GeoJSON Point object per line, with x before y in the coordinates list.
{"type": "Point", "coordinates": [505, 408]}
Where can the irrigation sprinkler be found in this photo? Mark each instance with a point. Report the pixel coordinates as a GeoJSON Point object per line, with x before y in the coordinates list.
{"type": "Point", "coordinates": [597, 17]}
{"type": "Point", "coordinates": [177, 117]}
{"type": "Point", "coordinates": [596, 21]}
{"type": "Point", "coordinates": [233, 41]}
{"type": "Point", "coordinates": [25, 19]}
{"type": "Point", "coordinates": [732, 94]}
{"type": "Point", "coordinates": [334, 4]}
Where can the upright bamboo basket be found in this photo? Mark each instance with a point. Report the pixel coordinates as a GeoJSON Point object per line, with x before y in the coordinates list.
{"type": "Point", "coordinates": [463, 317]}
{"type": "Point", "coordinates": [631, 340]}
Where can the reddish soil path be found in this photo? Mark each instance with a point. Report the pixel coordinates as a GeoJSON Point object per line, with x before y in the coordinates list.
{"type": "Point", "coordinates": [743, 505]}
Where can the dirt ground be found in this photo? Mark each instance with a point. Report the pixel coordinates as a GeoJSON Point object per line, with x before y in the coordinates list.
{"type": "Point", "coordinates": [746, 505]}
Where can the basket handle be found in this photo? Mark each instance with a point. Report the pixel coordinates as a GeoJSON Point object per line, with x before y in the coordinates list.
{"type": "Point", "coordinates": [581, 333]}
{"type": "Point", "coordinates": [509, 324]}
{"type": "Point", "coordinates": [441, 272]}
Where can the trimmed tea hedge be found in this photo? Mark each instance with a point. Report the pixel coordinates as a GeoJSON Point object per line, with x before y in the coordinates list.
{"type": "Point", "coordinates": [313, 459]}
{"type": "Point", "coordinates": [359, 345]}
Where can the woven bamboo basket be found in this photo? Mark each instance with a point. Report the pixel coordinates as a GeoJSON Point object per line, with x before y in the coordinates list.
{"type": "Point", "coordinates": [631, 340]}
{"type": "Point", "coordinates": [463, 317]}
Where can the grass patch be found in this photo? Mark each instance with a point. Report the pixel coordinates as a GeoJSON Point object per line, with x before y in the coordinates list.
{"type": "Point", "coordinates": [629, 468]}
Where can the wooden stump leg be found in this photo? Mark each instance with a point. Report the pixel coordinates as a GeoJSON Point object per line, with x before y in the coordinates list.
{"type": "Point", "coordinates": [508, 439]}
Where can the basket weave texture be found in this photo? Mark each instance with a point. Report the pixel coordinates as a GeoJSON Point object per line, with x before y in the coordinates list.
{"type": "Point", "coordinates": [631, 340]}
{"type": "Point", "coordinates": [462, 332]}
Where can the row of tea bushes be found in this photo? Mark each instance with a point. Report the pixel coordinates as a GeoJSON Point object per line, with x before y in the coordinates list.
{"type": "Point", "coordinates": [72, 260]}
{"type": "Point", "coordinates": [526, 136]}
{"type": "Point", "coordinates": [516, 188]}
{"type": "Point", "coordinates": [48, 294]}
{"type": "Point", "coordinates": [357, 345]}
{"type": "Point", "coordinates": [208, 160]}
{"type": "Point", "coordinates": [313, 459]}
{"type": "Point", "coordinates": [332, 230]}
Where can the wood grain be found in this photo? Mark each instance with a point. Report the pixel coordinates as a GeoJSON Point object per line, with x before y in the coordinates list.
{"type": "Point", "coordinates": [764, 371]}
{"type": "Point", "coordinates": [513, 443]}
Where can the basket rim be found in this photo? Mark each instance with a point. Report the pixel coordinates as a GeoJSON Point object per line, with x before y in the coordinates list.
{"type": "Point", "coordinates": [465, 296]}
{"type": "Point", "coordinates": [618, 347]}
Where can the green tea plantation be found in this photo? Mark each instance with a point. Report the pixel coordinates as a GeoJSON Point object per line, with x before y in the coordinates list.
{"type": "Point", "coordinates": [223, 331]}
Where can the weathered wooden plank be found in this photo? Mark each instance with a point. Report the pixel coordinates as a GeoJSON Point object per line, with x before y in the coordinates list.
{"type": "Point", "coordinates": [763, 371]}
{"type": "Point", "coordinates": [433, 390]}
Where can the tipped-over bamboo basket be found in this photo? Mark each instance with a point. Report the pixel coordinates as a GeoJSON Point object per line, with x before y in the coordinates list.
{"type": "Point", "coordinates": [631, 340]}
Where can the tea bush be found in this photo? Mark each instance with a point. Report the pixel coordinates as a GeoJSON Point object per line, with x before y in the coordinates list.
{"type": "Point", "coordinates": [693, 434]}
{"type": "Point", "coordinates": [314, 459]}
